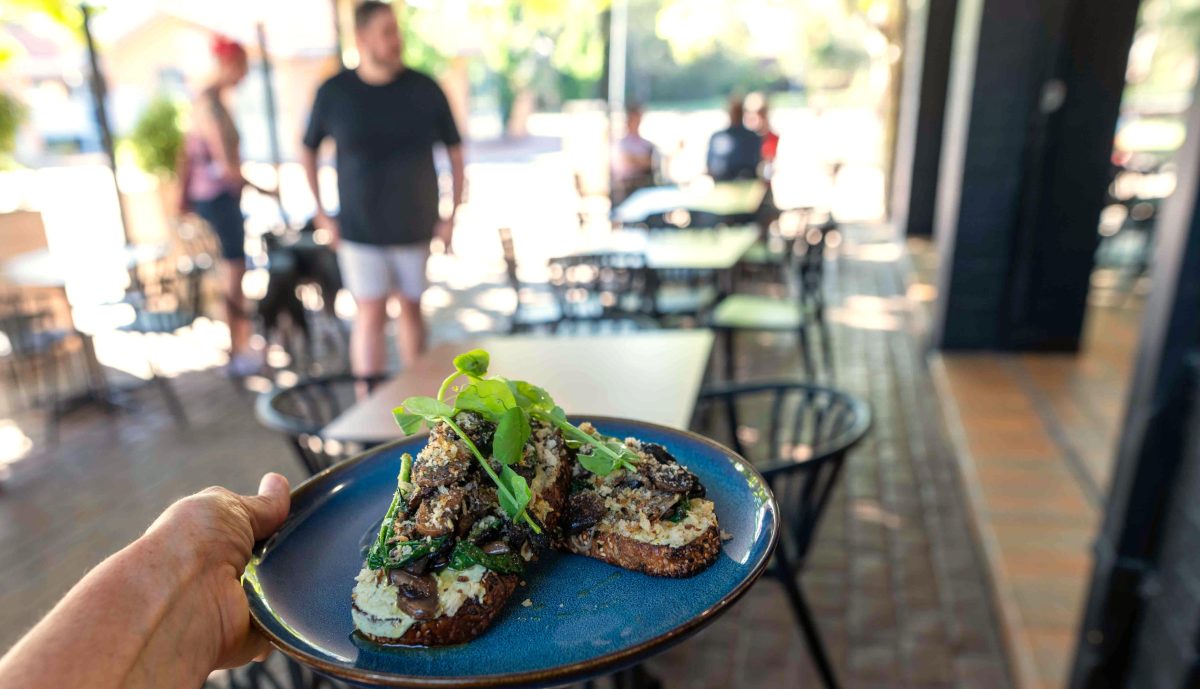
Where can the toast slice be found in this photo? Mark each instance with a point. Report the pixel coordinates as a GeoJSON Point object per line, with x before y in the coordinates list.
{"type": "Point", "coordinates": [448, 558]}
{"type": "Point", "coordinates": [654, 519]}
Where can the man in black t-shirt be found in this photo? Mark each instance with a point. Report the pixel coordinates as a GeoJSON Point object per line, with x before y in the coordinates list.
{"type": "Point", "coordinates": [385, 119]}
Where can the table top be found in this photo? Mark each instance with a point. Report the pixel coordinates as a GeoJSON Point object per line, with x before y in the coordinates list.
{"type": "Point", "coordinates": [707, 249]}
{"type": "Point", "coordinates": [726, 199]}
{"type": "Point", "coordinates": [651, 376]}
{"type": "Point", "coordinates": [40, 268]}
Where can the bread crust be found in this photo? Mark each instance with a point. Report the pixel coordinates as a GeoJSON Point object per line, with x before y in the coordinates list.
{"type": "Point", "coordinates": [471, 619]}
{"type": "Point", "coordinates": [658, 560]}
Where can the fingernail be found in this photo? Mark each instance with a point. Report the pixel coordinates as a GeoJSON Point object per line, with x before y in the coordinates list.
{"type": "Point", "coordinates": [272, 483]}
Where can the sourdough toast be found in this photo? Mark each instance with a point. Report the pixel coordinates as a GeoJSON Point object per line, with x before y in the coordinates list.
{"type": "Point", "coordinates": [650, 518]}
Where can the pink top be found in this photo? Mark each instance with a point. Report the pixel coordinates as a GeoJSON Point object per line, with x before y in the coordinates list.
{"type": "Point", "coordinates": [206, 179]}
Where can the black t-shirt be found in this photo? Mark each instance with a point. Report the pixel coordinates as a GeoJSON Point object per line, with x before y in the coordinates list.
{"type": "Point", "coordinates": [387, 183]}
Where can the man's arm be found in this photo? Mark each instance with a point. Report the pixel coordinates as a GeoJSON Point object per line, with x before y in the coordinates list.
{"type": "Point", "coordinates": [308, 159]}
{"type": "Point", "coordinates": [164, 611]}
{"type": "Point", "coordinates": [458, 177]}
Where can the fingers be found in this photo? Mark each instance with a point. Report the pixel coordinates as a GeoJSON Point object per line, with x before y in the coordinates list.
{"type": "Point", "coordinates": [269, 508]}
{"type": "Point", "coordinates": [254, 646]}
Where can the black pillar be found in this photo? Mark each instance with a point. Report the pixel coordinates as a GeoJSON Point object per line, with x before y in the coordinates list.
{"type": "Point", "coordinates": [272, 115]}
{"type": "Point", "coordinates": [1034, 94]}
{"type": "Point", "coordinates": [1142, 621]}
{"type": "Point", "coordinates": [99, 89]}
{"type": "Point", "coordinates": [927, 42]}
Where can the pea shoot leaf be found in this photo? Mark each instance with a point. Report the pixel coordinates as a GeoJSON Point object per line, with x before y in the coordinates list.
{"type": "Point", "coordinates": [490, 398]}
{"type": "Point", "coordinates": [428, 407]}
{"type": "Point", "coordinates": [597, 462]}
{"type": "Point", "coordinates": [511, 434]}
{"type": "Point", "coordinates": [409, 423]}
{"type": "Point", "coordinates": [515, 493]}
{"type": "Point", "coordinates": [473, 363]}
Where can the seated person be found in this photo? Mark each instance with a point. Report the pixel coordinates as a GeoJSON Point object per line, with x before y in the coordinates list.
{"type": "Point", "coordinates": [735, 152]}
{"type": "Point", "coordinates": [632, 158]}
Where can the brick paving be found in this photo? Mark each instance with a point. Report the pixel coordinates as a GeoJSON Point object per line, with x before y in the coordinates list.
{"type": "Point", "coordinates": [896, 579]}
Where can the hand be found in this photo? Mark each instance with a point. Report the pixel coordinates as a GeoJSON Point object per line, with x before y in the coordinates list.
{"type": "Point", "coordinates": [445, 232]}
{"type": "Point", "coordinates": [331, 226]}
{"type": "Point", "coordinates": [166, 610]}
{"type": "Point", "coordinates": [209, 537]}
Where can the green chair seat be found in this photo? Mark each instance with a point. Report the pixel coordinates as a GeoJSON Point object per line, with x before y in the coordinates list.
{"type": "Point", "coordinates": [757, 312]}
{"type": "Point", "coordinates": [683, 299]}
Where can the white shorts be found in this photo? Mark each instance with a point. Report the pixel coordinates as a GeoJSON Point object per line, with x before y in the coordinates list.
{"type": "Point", "coordinates": [373, 272]}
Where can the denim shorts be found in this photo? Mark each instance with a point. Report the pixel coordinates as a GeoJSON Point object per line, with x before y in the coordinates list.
{"type": "Point", "coordinates": [223, 213]}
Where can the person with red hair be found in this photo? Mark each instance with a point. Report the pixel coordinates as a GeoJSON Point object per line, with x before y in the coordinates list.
{"type": "Point", "coordinates": [212, 186]}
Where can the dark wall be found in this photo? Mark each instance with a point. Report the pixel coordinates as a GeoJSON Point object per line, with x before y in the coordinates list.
{"type": "Point", "coordinates": [1165, 652]}
{"type": "Point", "coordinates": [1034, 95]}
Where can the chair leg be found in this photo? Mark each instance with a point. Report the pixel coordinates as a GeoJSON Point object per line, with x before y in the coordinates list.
{"type": "Point", "coordinates": [806, 353]}
{"type": "Point", "coordinates": [54, 411]}
{"type": "Point", "coordinates": [730, 361]}
{"type": "Point", "coordinates": [808, 626]}
{"type": "Point", "coordinates": [168, 392]}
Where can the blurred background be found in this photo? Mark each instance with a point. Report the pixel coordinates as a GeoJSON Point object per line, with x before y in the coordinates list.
{"type": "Point", "coordinates": [978, 219]}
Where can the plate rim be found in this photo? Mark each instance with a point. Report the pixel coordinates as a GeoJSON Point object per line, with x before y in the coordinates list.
{"type": "Point", "coordinates": [595, 665]}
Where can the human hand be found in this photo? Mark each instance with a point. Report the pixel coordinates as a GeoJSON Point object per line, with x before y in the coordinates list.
{"type": "Point", "coordinates": [330, 225]}
{"type": "Point", "coordinates": [208, 537]}
{"type": "Point", "coordinates": [445, 232]}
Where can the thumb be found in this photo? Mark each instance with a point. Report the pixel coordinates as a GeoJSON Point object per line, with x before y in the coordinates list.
{"type": "Point", "coordinates": [269, 508]}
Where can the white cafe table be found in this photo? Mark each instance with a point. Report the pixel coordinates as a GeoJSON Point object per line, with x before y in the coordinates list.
{"type": "Point", "coordinates": [651, 376]}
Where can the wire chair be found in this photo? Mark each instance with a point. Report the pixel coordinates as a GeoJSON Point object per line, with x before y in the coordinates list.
{"type": "Point", "coordinates": [603, 291]}
{"type": "Point", "coordinates": [804, 308]}
{"type": "Point", "coordinates": [300, 412]}
{"type": "Point", "coordinates": [798, 436]}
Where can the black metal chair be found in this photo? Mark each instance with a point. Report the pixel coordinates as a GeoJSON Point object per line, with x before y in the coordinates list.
{"type": "Point", "coordinates": [804, 308]}
{"type": "Point", "coordinates": [533, 311]}
{"type": "Point", "coordinates": [798, 436]}
{"type": "Point", "coordinates": [300, 412]}
{"type": "Point", "coordinates": [602, 292]}
{"type": "Point", "coordinates": [277, 672]}
{"type": "Point", "coordinates": [34, 353]}
{"type": "Point", "coordinates": [767, 262]}
{"type": "Point", "coordinates": [166, 297]}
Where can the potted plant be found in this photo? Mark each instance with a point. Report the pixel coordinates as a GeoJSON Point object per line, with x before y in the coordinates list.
{"type": "Point", "coordinates": [157, 143]}
{"type": "Point", "coordinates": [12, 115]}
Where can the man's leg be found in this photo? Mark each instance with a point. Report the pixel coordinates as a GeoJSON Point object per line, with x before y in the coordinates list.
{"type": "Point", "coordinates": [412, 331]}
{"type": "Point", "coordinates": [409, 263]}
{"type": "Point", "coordinates": [368, 338]}
{"type": "Point", "coordinates": [366, 274]}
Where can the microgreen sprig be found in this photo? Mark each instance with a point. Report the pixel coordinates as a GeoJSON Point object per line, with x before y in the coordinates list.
{"type": "Point", "coordinates": [512, 490]}
{"type": "Point", "coordinates": [494, 396]}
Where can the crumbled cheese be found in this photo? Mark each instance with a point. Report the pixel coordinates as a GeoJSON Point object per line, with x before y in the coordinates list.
{"type": "Point", "coordinates": [527, 603]}
{"type": "Point", "coordinates": [700, 517]}
{"type": "Point", "coordinates": [377, 613]}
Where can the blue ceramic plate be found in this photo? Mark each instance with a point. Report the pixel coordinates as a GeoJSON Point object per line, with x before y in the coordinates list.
{"type": "Point", "coordinates": [587, 617]}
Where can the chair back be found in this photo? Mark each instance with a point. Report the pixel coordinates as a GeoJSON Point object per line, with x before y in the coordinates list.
{"type": "Point", "coordinates": [797, 435]}
{"type": "Point", "coordinates": [300, 412]}
{"type": "Point", "coordinates": [603, 286]}
{"type": "Point", "coordinates": [167, 295]}
{"type": "Point", "coordinates": [807, 266]}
